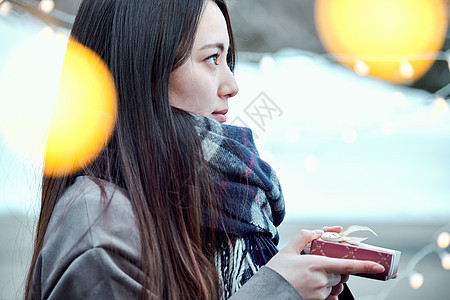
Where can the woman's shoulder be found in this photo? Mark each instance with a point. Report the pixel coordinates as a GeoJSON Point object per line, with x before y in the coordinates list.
{"type": "Point", "coordinates": [93, 213]}
{"type": "Point", "coordinates": [93, 194]}
{"type": "Point", "coordinates": [96, 198]}
{"type": "Point", "coordinates": [91, 239]}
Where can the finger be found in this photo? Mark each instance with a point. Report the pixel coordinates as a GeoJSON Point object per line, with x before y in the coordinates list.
{"type": "Point", "coordinates": [336, 229]}
{"type": "Point", "coordinates": [327, 291]}
{"type": "Point", "coordinates": [303, 238]}
{"type": "Point", "coordinates": [337, 289]}
{"type": "Point", "coordinates": [344, 278]}
{"type": "Point", "coordinates": [333, 279]}
{"type": "Point", "coordinates": [350, 266]}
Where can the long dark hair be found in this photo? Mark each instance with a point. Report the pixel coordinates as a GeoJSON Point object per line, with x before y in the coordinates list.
{"type": "Point", "coordinates": [154, 152]}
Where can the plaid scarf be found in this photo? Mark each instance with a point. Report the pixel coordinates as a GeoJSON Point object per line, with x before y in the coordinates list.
{"type": "Point", "coordinates": [251, 198]}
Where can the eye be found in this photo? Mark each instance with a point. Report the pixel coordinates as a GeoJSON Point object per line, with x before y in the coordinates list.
{"type": "Point", "coordinates": [213, 59]}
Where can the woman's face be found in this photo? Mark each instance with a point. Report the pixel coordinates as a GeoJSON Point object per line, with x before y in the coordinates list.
{"type": "Point", "coordinates": [204, 83]}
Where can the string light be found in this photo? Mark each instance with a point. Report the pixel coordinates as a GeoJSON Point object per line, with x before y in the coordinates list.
{"type": "Point", "coordinates": [440, 108]}
{"type": "Point", "coordinates": [443, 240]}
{"type": "Point", "coordinates": [62, 37]}
{"type": "Point", "coordinates": [5, 8]}
{"type": "Point", "coordinates": [361, 67]}
{"type": "Point", "coordinates": [46, 6]}
{"type": "Point", "coordinates": [267, 63]}
{"type": "Point", "coordinates": [47, 32]}
{"type": "Point", "coordinates": [399, 100]}
{"type": "Point", "coordinates": [416, 280]}
{"type": "Point", "coordinates": [445, 261]}
{"type": "Point", "coordinates": [406, 69]}
{"type": "Point", "coordinates": [312, 163]}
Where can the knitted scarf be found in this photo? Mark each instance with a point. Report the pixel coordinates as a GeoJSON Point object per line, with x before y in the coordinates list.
{"type": "Point", "coordinates": [252, 204]}
{"type": "Point", "coordinates": [251, 199]}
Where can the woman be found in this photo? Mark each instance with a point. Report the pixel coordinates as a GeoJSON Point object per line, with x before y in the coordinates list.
{"type": "Point", "coordinates": [178, 206]}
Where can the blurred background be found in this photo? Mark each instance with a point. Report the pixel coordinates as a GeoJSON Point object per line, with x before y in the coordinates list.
{"type": "Point", "coordinates": [347, 100]}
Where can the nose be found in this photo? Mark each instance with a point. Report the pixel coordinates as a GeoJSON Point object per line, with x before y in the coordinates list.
{"type": "Point", "coordinates": [227, 87]}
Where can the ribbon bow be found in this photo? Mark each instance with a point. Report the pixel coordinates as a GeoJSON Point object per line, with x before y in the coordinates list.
{"type": "Point", "coordinates": [343, 236]}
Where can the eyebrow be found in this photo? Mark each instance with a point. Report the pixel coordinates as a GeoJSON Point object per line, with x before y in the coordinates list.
{"type": "Point", "coordinates": [219, 46]}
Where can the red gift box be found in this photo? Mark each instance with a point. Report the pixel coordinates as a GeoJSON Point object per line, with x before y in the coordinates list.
{"type": "Point", "coordinates": [388, 258]}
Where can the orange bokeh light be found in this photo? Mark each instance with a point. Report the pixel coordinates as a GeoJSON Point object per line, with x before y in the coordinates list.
{"type": "Point", "coordinates": [84, 115]}
{"type": "Point", "coordinates": [387, 35]}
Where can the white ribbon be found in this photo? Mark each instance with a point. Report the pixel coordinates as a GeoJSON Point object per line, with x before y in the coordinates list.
{"type": "Point", "coordinates": [343, 236]}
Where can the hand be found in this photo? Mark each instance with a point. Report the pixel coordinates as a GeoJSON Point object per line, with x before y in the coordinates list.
{"type": "Point", "coordinates": [316, 277]}
{"type": "Point", "coordinates": [336, 229]}
{"type": "Point", "coordinates": [337, 289]}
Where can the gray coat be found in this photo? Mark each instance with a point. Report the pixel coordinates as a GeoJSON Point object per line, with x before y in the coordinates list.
{"type": "Point", "coordinates": [91, 252]}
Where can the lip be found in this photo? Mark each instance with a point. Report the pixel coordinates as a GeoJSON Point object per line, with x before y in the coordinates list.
{"type": "Point", "coordinates": [220, 115]}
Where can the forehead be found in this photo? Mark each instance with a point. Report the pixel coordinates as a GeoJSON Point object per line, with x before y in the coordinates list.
{"type": "Point", "coordinates": [212, 27]}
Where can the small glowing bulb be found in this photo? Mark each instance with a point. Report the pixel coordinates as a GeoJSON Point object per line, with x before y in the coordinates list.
{"type": "Point", "coordinates": [443, 240]}
{"type": "Point", "coordinates": [46, 6]}
{"type": "Point", "coordinates": [361, 68]}
{"type": "Point", "coordinates": [445, 261]}
{"type": "Point", "coordinates": [399, 99]}
{"type": "Point", "coordinates": [311, 163]}
{"type": "Point", "coordinates": [349, 134]}
{"type": "Point", "coordinates": [441, 108]}
{"type": "Point", "coordinates": [62, 38]}
{"type": "Point", "coordinates": [47, 32]}
{"type": "Point", "coordinates": [267, 63]}
{"type": "Point", "coordinates": [5, 8]}
{"type": "Point", "coordinates": [406, 69]}
{"type": "Point", "coordinates": [416, 280]}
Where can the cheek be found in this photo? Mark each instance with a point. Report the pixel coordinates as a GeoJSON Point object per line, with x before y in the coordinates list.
{"type": "Point", "coordinates": [193, 91]}
{"type": "Point", "coordinates": [203, 96]}
{"type": "Point", "coordinates": [199, 99]}
{"type": "Point", "coordinates": [179, 88]}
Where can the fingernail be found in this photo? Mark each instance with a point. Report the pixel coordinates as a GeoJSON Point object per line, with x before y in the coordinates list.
{"type": "Point", "coordinates": [318, 232]}
{"type": "Point", "coordinates": [378, 269]}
